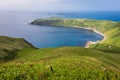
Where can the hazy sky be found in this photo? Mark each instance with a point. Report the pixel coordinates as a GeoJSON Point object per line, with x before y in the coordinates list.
{"type": "Point", "coordinates": [60, 5]}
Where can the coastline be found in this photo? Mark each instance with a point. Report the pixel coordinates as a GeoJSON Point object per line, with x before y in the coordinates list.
{"type": "Point", "coordinates": [92, 42]}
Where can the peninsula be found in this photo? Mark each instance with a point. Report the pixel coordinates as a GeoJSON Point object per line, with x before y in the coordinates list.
{"type": "Point", "coordinates": [109, 29]}
{"type": "Point", "coordinates": [99, 61]}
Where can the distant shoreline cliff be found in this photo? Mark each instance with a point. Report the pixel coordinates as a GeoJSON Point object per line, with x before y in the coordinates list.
{"type": "Point", "coordinates": [108, 29]}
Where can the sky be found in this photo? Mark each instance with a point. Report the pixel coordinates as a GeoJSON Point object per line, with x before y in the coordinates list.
{"type": "Point", "coordinates": [60, 5]}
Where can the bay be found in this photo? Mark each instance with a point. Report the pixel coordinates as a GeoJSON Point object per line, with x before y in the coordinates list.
{"type": "Point", "coordinates": [15, 24]}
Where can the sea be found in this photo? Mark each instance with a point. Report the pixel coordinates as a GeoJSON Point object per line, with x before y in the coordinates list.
{"type": "Point", "coordinates": [16, 24]}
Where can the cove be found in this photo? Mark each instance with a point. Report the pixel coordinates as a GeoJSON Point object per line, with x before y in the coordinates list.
{"type": "Point", "coordinates": [51, 36]}
{"type": "Point", "coordinates": [43, 36]}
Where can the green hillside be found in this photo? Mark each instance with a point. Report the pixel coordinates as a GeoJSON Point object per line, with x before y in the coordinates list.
{"type": "Point", "coordinates": [99, 62]}
{"type": "Point", "coordinates": [10, 46]}
{"type": "Point", "coordinates": [65, 63]}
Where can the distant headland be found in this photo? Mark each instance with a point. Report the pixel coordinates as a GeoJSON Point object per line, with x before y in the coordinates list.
{"type": "Point", "coordinates": [108, 29]}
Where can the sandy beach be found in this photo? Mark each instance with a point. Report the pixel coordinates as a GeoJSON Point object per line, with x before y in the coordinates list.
{"type": "Point", "coordinates": [91, 42]}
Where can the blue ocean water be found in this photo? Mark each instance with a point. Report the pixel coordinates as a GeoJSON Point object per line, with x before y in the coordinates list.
{"type": "Point", "coordinates": [15, 24]}
{"type": "Point", "coordinates": [99, 15]}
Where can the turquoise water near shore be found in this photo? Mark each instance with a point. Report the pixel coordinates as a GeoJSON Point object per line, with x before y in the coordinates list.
{"type": "Point", "coordinates": [15, 24]}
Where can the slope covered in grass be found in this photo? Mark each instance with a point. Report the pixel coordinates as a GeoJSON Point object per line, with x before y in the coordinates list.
{"type": "Point", "coordinates": [10, 46]}
{"type": "Point", "coordinates": [65, 63]}
{"type": "Point", "coordinates": [99, 62]}
{"type": "Point", "coordinates": [109, 28]}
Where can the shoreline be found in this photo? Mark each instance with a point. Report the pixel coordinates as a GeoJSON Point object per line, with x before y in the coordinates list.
{"type": "Point", "coordinates": [92, 42]}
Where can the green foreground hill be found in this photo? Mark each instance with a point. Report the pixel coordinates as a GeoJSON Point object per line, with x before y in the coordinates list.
{"type": "Point", "coordinates": [65, 63]}
{"type": "Point", "coordinates": [10, 46]}
{"type": "Point", "coordinates": [99, 62]}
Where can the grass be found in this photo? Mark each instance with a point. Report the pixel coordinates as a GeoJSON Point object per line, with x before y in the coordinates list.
{"type": "Point", "coordinates": [99, 62]}
{"type": "Point", "coordinates": [64, 63]}
{"type": "Point", "coordinates": [10, 46]}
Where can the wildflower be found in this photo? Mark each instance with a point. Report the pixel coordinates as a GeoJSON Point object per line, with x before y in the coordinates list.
{"type": "Point", "coordinates": [47, 66]}
{"type": "Point", "coordinates": [95, 65]}
{"type": "Point", "coordinates": [104, 69]}
{"type": "Point", "coordinates": [109, 46]}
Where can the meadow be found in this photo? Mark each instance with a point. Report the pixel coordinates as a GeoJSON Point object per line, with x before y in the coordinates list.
{"type": "Point", "coordinates": [100, 61]}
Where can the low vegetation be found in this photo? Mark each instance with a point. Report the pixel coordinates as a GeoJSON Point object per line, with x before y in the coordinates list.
{"type": "Point", "coordinates": [99, 62]}
{"type": "Point", "coordinates": [65, 63]}
{"type": "Point", "coordinates": [10, 46]}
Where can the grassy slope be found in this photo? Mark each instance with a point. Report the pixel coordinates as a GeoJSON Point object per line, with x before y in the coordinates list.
{"type": "Point", "coordinates": [68, 63]}
{"type": "Point", "coordinates": [109, 28]}
{"type": "Point", "coordinates": [65, 63]}
{"type": "Point", "coordinates": [10, 46]}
